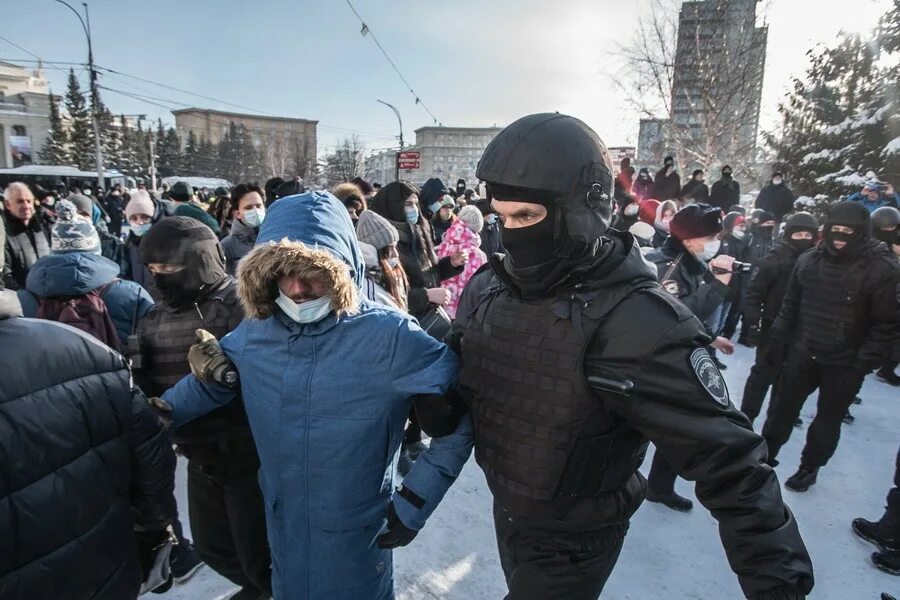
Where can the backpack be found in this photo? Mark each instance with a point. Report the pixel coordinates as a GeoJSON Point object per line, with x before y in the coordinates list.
{"type": "Point", "coordinates": [87, 312]}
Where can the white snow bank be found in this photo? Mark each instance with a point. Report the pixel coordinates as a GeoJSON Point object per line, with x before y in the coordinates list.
{"type": "Point", "coordinates": [893, 147]}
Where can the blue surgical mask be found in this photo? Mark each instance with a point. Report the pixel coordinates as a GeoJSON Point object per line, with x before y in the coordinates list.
{"type": "Point", "coordinates": [434, 206]}
{"type": "Point", "coordinates": [710, 249]}
{"type": "Point", "coordinates": [140, 230]}
{"type": "Point", "coordinates": [254, 218]}
{"type": "Point", "coordinates": [412, 214]}
{"type": "Point", "coordinates": [491, 219]}
{"type": "Point", "coordinates": [311, 311]}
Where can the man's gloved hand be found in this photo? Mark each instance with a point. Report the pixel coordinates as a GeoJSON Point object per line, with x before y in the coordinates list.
{"type": "Point", "coordinates": [397, 533]}
{"type": "Point", "coordinates": [751, 340]}
{"type": "Point", "coordinates": [209, 363]}
{"type": "Point", "coordinates": [777, 350]}
{"type": "Point", "coordinates": [162, 410]}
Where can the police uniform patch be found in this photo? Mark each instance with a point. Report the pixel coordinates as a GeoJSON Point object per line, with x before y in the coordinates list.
{"type": "Point", "coordinates": [709, 376]}
{"type": "Point", "coordinates": [671, 286]}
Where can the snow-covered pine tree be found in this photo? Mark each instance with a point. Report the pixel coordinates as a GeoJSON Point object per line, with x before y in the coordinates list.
{"type": "Point", "coordinates": [189, 158]}
{"type": "Point", "coordinates": [168, 151]}
{"type": "Point", "coordinates": [56, 148]}
{"type": "Point", "coordinates": [81, 141]}
{"type": "Point", "coordinates": [173, 145]}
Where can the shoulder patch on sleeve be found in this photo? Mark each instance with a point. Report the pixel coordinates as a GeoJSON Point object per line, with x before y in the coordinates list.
{"type": "Point", "coordinates": [671, 286]}
{"type": "Point", "coordinates": [709, 376]}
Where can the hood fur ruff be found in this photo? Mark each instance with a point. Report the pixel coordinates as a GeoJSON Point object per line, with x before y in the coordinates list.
{"type": "Point", "coordinates": [260, 270]}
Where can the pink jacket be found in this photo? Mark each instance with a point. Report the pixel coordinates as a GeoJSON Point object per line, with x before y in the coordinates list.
{"type": "Point", "coordinates": [460, 237]}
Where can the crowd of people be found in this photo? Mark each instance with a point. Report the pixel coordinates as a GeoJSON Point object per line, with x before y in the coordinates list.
{"type": "Point", "coordinates": [297, 348]}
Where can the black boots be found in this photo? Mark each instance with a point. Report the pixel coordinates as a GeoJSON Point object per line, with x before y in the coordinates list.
{"type": "Point", "coordinates": [802, 479]}
{"type": "Point", "coordinates": [673, 501]}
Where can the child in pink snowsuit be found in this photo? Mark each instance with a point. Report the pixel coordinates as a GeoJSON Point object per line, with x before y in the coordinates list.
{"type": "Point", "coordinates": [463, 235]}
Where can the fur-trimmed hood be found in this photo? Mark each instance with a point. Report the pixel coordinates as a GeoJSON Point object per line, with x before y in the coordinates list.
{"type": "Point", "coordinates": [309, 235]}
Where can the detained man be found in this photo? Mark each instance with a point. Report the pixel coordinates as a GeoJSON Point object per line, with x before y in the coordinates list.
{"type": "Point", "coordinates": [328, 380]}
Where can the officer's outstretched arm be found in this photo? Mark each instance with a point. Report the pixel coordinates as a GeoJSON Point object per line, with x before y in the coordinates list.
{"type": "Point", "coordinates": [679, 401]}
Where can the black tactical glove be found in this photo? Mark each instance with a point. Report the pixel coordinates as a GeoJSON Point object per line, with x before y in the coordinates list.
{"type": "Point", "coordinates": [209, 363]}
{"type": "Point", "coordinates": [162, 410]}
{"type": "Point", "coordinates": [777, 350]}
{"type": "Point", "coordinates": [397, 533]}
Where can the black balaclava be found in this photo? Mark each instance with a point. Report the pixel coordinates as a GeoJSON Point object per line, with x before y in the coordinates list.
{"type": "Point", "coordinates": [533, 246]}
{"type": "Point", "coordinates": [756, 227]}
{"type": "Point", "coordinates": [799, 245]}
{"type": "Point", "coordinates": [888, 236]}
{"type": "Point", "coordinates": [644, 174]}
{"type": "Point", "coordinates": [726, 172]}
{"type": "Point", "coordinates": [190, 243]}
{"type": "Point", "coordinates": [849, 214]}
{"type": "Point", "coordinates": [669, 162]}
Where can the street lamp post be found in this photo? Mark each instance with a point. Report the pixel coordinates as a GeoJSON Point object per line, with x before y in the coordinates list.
{"type": "Point", "coordinates": [98, 152]}
{"type": "Point", "coordinates": [400, 121]}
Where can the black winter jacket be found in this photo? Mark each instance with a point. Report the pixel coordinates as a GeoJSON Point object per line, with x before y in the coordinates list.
{"type": "Point", "coordinates": [725, 194]}
{"type": "Point", "coordinates": [696, 190]}
{"type": "Point", "coordinates": [777, 199]}
{"type": "Point", "coordinates": [666, 187]}
{"type": "Point", "coordinates": [767, 287]}
{"type": "Point", "coordinates": [650, 340]}
{"type": "Point", "coordinates": [84, 463]}
{"type": "Point", "coordinates": [25, 244]}
{"type": "Point", "coordinates": [843, 311]}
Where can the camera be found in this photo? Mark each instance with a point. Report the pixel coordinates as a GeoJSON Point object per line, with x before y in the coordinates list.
{"type": "Point", "coordinates": [736, 267]}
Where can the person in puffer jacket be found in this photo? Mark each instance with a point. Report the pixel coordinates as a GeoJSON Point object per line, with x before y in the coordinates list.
{"type": "Point", "coordinates": [463, 237]}
{"type": "Point", "coordinates": [328, 436]}
{"type": "Point", "coordinates": [88, 470]}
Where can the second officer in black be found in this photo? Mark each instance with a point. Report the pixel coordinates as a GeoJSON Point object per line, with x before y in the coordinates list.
{"type": "Point", "coordinates": [573, 357]}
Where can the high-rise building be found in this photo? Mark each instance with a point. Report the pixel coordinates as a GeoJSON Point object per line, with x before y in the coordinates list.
{"type": "Point", "coordinates": [716, 88]}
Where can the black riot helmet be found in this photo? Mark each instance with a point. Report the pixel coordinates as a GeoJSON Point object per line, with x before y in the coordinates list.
{"type": "Point", "coordinates": [561, 159]}
{"type": "Point", "coordinates": [801, 221]}
{"type": "Point", "coordinates": [885, 217]}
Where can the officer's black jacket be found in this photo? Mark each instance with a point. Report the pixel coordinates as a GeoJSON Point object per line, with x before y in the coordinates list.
{"type": "Point", "coordinates": [846, 316]}
{"type": "Point", "coordinates": [768, 286]}
{"type": "Point", "coordinates": [648, 339]}
{"type": "Point", "coordinates": [688, 279]}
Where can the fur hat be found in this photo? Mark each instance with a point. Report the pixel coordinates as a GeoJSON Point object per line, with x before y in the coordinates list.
{"type": "Point", "coordinates": [140, 204]}
{"type": "Point", "coordinates": [375, 230]}
{"type": "Point", "coordinates": [471, 216]}
{"type": "Point", "coordinates": [73, 232]}
{"type": "Point", "coordinates": [696, 221]}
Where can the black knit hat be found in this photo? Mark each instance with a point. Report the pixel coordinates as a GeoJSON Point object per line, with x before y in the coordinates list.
{"type": "Point", "coordinates": [851, 214]}
{"type": "Point", "coordinates": [181, 192]}
{"type": "Point", "coordinates": [696, 221]}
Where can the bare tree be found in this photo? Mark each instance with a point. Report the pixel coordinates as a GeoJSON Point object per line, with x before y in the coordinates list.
{"type": "Point", "coordinates": [346, 162]}
{"type": "Point", "coordinates": [701, 78]}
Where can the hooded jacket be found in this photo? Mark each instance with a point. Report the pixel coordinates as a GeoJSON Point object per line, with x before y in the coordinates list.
{"type": "Point", "coordinates": [725, 193]}
{"type": "Point", "coordinates": [76, 274]}
{"type": "Point", "coordinates": [460, 237]}
{"type": "Point", "coordinates": [776, 199]}
{"type": "Point", "coordinates": [84, 463]}
{"type": "Point", "coordinates": [238, 243]}
{"type": "Point", "coordinates": [328, 402]}
{"type": "Point", "coordinates": [651, 341]}
{"type": "Point", "coordinates": [415, 247]}
{"type": "Point", "coordinates": [666, 187]}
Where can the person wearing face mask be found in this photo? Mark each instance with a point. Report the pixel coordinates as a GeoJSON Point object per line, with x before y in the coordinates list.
{"type": "Point", "coordinates": [250, 212]}
{"type": "Point", "coordinates": [685, 267]}
{"type": "Point", "coordinates": [734, 243]}
{"type": "Point", "coordinates": [695, 191]}
{"type": "Point", "coordinates": [765, 293]}
{"type": "Point", "coordinates": [386, 280]}
{"type": "Point", "coordinates": [760, 244]}
{"type": "Point", "coordinates": [665, 212]}
{"type": "Point", "coordinates": [431, 196]}
{"type": "Point", "coordinates": [463, 236]}
{"type": "Point", "coordinates": [626, 215]}
{"type": "Point", "coordinates": [573, 358]}
{"type": "Point", "coordinates": [726, 191]}
{"type": "Point", "coordinates": [667, 182]}
{"type": "Point", "coordinates": [141, 213]}
{"type": "Point", "coordinates": [886, 228]}
{"type": "Point", "coordinates": [776, 197]}
{"type": "Point", "coordinates": [224, 500]}
{"type": "Point", "coordinates": [642, 188]}
{"type": "Point", "coordinates": [838, 322]}
{"type": "Point", "coordinates": [328, 436]}
{"type": "Point", "coordinates": [490, 234]}
{"type": "Point", "coordinates": [443, 219]}
{"type": "Point", "coordinates": [398, 202]}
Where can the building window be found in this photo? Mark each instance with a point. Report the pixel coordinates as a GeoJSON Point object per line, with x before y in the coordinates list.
{"type": "Point", "coordinates": [19, 130]}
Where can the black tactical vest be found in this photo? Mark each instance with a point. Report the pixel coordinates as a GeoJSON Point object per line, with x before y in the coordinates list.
{"type": "Point", "coordinates": [166, 335]}
{"type": "Point", "coordinates": [542, 436]}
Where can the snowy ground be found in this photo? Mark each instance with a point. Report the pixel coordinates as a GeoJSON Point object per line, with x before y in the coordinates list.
{"type": "Point", "coordinates": [667, 554]}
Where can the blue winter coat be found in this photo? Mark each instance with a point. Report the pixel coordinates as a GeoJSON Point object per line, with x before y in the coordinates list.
{"type": "Point", "coordinates": [883, 200]}
{"type": "Point", "coordinates": [77, 273]}
{"type": "Point", "coordinates": [327, 403]}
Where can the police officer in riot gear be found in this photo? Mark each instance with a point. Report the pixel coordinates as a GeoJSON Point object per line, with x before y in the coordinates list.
{"type": "Point", "coordinates": [573, 357]}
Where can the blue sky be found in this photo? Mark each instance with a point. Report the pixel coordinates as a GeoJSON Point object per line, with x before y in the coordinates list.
{"type": "Point", "coordinates": [473, 62]}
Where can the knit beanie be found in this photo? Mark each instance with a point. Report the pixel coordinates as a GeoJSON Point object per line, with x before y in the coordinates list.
{"type": "Point", "coordinates": [644, 232]}
{"type": "Point", "coordinates": [471, 216]}
{"type": "Point", "coordinates": [647, 211]}
{"type": "Point", "coordinates": [696, 221]}
{"type": "Point", "coordinates": [195, 212]}
{"type": "Point", "coordinates": [82, 203]}
{"type": "Point", "coordinates": [140, 204]}
{"type": "Point", "coordinates": [72, 232]}
{"type": "Point", "coordinates": [375, 230]}
{"type": "Point", "coordinates": [181, 191]}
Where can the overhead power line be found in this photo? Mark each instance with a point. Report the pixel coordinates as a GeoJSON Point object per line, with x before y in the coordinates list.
{"type": "Point", "coordinates": [367, 31]}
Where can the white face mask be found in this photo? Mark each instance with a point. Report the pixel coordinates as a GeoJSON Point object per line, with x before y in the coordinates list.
{"type": "Point", "coordinates": [709, 250]}
{"type": "Point", "coordinates": [311, 311]}
{"type": "Point", "coordinates": [777, 181]}
{"type": "Point", "coordinates": [631, 210]}
{"type": "Point", "coordinates": [254, 218]}
{"type": "Point", "coordinates": [738, 233]}
{"type": "Point", "coordinates": [393, 262]}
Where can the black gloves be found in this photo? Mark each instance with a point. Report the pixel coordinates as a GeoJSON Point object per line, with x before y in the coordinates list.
{"type": "Point", "coordinates": [777, 349]}
{"type": "Point", "coordinates": [397, 533]}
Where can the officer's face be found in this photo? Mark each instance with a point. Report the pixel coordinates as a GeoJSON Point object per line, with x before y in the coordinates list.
{"type": "Point", "coordinates": [839, 244]}
{"type": "Point", "coordinates": [802, 235]}
{"type": "Point", "coordinates": [514, 214]}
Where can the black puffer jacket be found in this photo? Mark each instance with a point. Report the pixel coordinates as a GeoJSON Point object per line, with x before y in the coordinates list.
{"type": "Point", "coordinates": [84, 462]}
{"type": "Point", "coordinates": [768, 285]}
{"type": "Point", "coordinates": [776, 199]}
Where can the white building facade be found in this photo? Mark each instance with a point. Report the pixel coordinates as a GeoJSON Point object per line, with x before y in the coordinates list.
{"type": "Point", "coordinates": [24, 115]}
